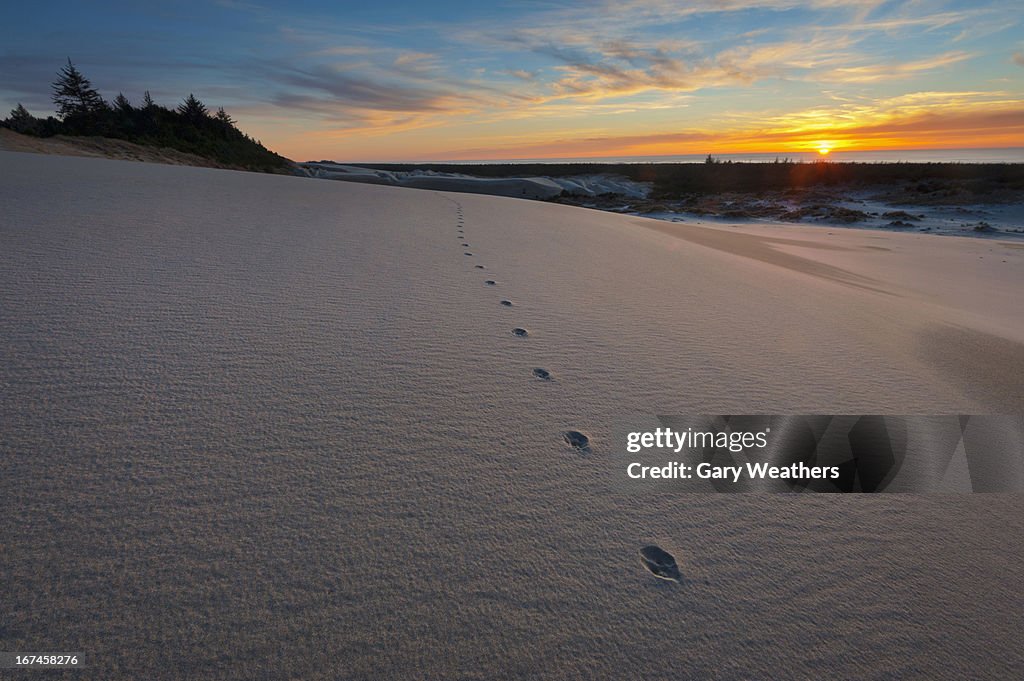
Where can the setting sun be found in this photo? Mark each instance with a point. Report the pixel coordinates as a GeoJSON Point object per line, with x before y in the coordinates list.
{"type": "Point", "coordinates": [824, 149]}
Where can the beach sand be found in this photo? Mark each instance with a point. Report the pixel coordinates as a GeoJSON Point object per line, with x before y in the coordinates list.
{"type": "Point", "coordinates": [262, 427]}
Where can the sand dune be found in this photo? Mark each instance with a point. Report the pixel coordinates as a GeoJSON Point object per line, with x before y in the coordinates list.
{"type": "Point", "coordinates": [101, 147]}
{"type": "Point", "coordinates": [519, 187]}
{"type": "Point", "coordinates": [259, 423]}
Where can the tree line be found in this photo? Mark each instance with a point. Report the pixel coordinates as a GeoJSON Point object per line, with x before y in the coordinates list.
{"type": "Point", "coordinates": [190, 127]}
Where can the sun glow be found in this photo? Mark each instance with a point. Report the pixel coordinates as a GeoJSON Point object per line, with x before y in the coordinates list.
{"type": "Point", "coordinates": [824, 149]}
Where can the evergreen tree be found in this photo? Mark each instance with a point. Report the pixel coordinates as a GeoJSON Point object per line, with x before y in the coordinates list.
{"type": "Point", "coordinates": [74, 94]}
{"type": "Point", "coordinates": [121, 103]}
{"type": "Point", "coordinates": [223, 117]}
{"type": "Point", "coordinates": [190, 127]}
{"type": "Point", "coordinates": [21, 120]}
{"type": "Point", "coordinates": [193, 110]}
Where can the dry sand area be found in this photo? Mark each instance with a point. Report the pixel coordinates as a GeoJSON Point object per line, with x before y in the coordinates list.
{"type": "Point", "coordinates": [265, 427]}
{"type": "Point", "coordinates": [100, 147]}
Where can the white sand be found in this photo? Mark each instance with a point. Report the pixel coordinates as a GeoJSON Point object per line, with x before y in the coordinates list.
{"type": "Point", "coordinates": [254, 423]}
{"type": "Point", "coordinates": [519, 187]}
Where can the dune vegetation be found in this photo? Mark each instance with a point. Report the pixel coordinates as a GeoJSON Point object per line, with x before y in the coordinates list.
{"type": "Point", "coordinates": [190, 127]}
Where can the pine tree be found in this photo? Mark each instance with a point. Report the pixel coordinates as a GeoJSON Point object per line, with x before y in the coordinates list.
{"type": "Point", "coordinates": [121, 103]}
{"type": "Point", "coordinates": [223, 117]}
{"type": "Point", "coordinates": [190, 127]}
{"type": "Point", "coordinates": [193, 110]}
{"type": "Point", "coordinates": [74, 94]}
{"type": "Point", "coordinates": [21, 120]}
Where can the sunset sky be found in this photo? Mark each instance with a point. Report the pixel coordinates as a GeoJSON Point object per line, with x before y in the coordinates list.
{"type": "Point", "coordinates": [530, 79]}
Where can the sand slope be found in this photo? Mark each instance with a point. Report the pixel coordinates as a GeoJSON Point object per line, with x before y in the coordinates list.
{"type": "Point", "coordinates": [103, 147]}
{"type": "Point", "coordinates": [518, 187]}
{"type": "Point", "coordinates": [254, 423]}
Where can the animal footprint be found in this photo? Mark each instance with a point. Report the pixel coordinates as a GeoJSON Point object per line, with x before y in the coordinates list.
{"type": "Point", "coordinates": [660, 562]}
{"type": "Point", "coordinates": [542, 374]}
{"type": "Point", "coordinates": [480, 267]}
{"type": "Point", "coordinates": [521, 332]}
{"type": "Point", "coordinates": [577, 440]}
{"type": "Point", "coordinates": [507, 303]}
{"type": "Point", "coordinates": [491, 282]}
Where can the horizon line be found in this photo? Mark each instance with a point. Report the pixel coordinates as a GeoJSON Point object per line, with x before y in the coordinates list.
{"type": "Point", "coordinates": [654, 158]}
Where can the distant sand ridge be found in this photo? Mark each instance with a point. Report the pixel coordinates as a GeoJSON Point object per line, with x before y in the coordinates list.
{"type": "Point", "coordinates": [101, 147]}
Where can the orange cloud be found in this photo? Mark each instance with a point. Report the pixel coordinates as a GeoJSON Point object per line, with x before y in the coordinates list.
{"type": "Point", "coordinates": [978, 124]}
{"type": "Point", "coordinates": [878, 72]}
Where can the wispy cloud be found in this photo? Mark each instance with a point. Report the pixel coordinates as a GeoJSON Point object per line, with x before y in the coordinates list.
{"type": "Point", "coordinates": [979, 124]}
{"type": "Point", "coordinates": [631, 74]}
{"type": "Point", "coordinates": [873, 73]}
{"type": "Point", "coordinates": [522, 74]}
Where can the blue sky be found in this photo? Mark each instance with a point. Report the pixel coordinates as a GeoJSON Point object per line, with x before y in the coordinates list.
{"type": "Point", "coordinates": [449, 80]}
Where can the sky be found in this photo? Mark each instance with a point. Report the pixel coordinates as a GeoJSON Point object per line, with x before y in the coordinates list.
{"type": "Point", "coordinates": [457, 80]}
